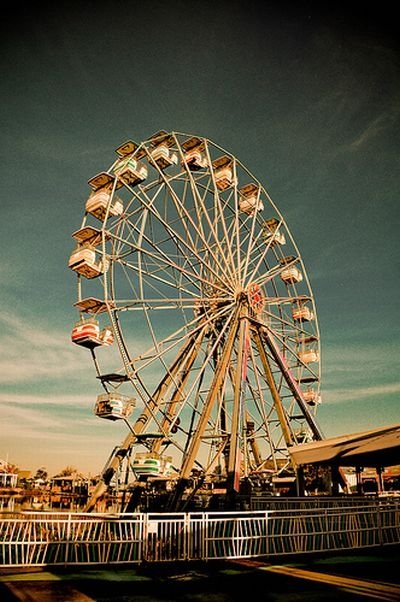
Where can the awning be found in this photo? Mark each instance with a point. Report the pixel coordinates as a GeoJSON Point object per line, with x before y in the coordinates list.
{"type": "Point", "coordinates": [379, 447]}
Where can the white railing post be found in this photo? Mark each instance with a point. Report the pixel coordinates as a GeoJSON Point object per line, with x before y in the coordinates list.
{"type": "Point", "coordinates": [68, 537]}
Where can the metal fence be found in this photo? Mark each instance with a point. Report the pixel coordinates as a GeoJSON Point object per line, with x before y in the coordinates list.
{"type": "Point", "coordinates": [38, 539]}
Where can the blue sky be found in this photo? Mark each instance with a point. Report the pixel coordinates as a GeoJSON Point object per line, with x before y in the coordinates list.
{"type": "Point", "coordinates": [308, 100]}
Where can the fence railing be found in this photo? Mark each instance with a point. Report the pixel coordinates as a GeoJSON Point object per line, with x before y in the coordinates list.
{"type": "Point", "coordinates": [38, 539]}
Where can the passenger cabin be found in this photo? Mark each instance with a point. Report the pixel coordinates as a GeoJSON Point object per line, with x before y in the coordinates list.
{"type": "Point", "coordinates": [129, 168]}
{"type": "Point", "coordinates": [83, 261]}
{"type": "Point", "coordinates": [290, 274]}
{"type": "Point", "coordinates": [114, 406]}
{"type": "Point", "coordinates": [301, 312]}
{"type": "Point", "coordinates": [131, 171]}
{"type": "Point", "coordinates": [150, 464]}
{"type": "Point", "coordinates": [163, 156]}
{"type": "Point", "coordinates": [311, 397]}
{"type": "Point", "coordinates": [161, 152]}
{"type": "Point", "coordinates": [194, 156]}
{"type": "Point", "coordinates": [223, 172]}
{"type": "Point", "coordinates": [101, 202]}
{"type": "Point", "coordinates": [87, 333]}
{"type": "Point", "coordinates": [107, 336]}
{"type": "Point", "coordinates": [249, 199]}
{"type": "Point", "coordinates": [309, 356]}
{"type": "Point", "coordinates": [272, 234]}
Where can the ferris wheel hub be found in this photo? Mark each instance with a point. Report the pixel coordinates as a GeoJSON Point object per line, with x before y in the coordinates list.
{"type": "Point", "coordinates": [256, 297]}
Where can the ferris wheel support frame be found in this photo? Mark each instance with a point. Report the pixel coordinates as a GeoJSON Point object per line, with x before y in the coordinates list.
{"type": "Point", "coordinates": [292, 384]}
{"type": "Point", "coordinates": [287, 434]}
{"type": "Point", "coordinates": [216, 385]}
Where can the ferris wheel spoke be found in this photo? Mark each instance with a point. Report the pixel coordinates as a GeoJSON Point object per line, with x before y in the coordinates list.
{"type": "Point", "coordinates": [202, 259]}
{"type": "Point", "coordinates": [219, 220]}
{"type": "Point", "coordinates": [184, 213]}
{"type": "Point", "coordinates": [161, 262]}
{"type": "Point", "coordinates": [262, 257]}
{"type": "Point", "coordinates": [249, 245]}
{"type": "Point", "coordinates": [185, 332]}
{"type": "Point", "coordinates": [160, 258]}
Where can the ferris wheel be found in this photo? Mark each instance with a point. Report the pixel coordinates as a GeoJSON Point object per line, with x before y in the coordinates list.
{"type": "Point", "coordinates": [195, 305]}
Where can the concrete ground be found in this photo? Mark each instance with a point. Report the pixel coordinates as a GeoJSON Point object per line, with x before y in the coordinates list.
{"type": "Point", "coordinates": [347, 577]}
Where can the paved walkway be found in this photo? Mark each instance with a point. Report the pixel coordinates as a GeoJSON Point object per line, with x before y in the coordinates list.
{"type": "Point", "coordinates": [348, 578]}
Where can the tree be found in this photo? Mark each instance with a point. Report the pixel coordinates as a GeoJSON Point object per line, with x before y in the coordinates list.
{"type": "Point", "coordinates": [41, 473]}
{"type": "Point", "coordinates": [68, 471]}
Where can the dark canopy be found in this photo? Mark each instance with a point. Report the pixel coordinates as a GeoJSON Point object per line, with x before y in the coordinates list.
{"type": "Point", "coordinates": [379, 447]}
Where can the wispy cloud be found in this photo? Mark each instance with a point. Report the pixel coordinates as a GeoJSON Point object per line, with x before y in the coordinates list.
{"type": "Point", "coordinates": [349, 394]}
{"type": "Point", "coordinates": [32, 400]}
{"type": "Point", "coordinates": [359, 372]}
{"type": "Point", "coordinates": [30, 352]}
{"type": "Point", "coordinates": [382, 122]}
{"type": "Point", "coordinates": [344, 356]}
{"type": "Point", "coordinates": [39, 431]}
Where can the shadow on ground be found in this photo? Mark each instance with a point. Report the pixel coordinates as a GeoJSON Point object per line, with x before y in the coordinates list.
{"type": "Point", "coordinates": [220, 581]}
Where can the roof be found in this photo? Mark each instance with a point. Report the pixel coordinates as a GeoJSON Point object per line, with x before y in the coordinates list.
{"type": "Point", "coordinates": [378, 447]}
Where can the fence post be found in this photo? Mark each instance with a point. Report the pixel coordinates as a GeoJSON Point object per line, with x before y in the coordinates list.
{"type": "Point", "coordinates": [204, 536]}
{"type": "Point", "coordinates": [379, 523]}
{"type": "Point", "coordinates": [267, 546]}
{"type": "Point", "coordinates": [187, 534]}
{"type": "Point", "coordinates": [68, 536]}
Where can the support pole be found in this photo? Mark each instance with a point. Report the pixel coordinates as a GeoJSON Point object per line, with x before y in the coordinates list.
{"type": "Point", "coordinates": [217, 384]}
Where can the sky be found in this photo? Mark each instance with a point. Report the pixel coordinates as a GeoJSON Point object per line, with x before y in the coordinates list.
{"type": "Point", "coordinates": [307, 98]}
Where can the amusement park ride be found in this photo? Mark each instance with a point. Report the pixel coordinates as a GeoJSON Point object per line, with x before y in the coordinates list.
{"type": "Point", "coordinates": [196, 308]}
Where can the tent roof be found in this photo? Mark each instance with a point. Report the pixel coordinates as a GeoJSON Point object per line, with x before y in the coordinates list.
{"type": "Point", "coordinates": [379, 447]}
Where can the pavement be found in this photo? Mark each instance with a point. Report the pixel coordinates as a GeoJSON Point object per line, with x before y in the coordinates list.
{"type": "Point", "coordinates": [346, 578]}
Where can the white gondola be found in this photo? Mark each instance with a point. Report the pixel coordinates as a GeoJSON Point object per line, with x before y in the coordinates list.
{"type": "Point", "coordinates": [309, 356]}
{"type": "Point", "coordinates": [271, 233]}
{"type": "Point", "coordinates": [311, 397]}
{"type": "Point", "coordinates": [83, 261]}
{"type": "Point", "coordinates": [100, 201]}
{"type": "Point", "coordinates": [302, 313]}
{"type": "Point", "coordinates": [194, 156]}
{"type": "Point", "coordinates": [114, 406]}
{"type": "Point", "coordinates": [223, 172]}
{"type": "Point", "coordinates": [107, 336]}
{"type": "Point", "coordinates": [163, 156]}
{"type": "Point", "coordinates": [131, 171]}
{"type": "Point", "coordinates": [87, 333]}
{"type": "Point", "coordinates": [195, 159]}
{"type": "Point", "coordinates": [150, 464]}
{"type": "Point", "coordinates": [224, 177]}
{"type": "Point", "coordinates": [249, 199]}
{"type": "Point", "coordinates": [291, 275]}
